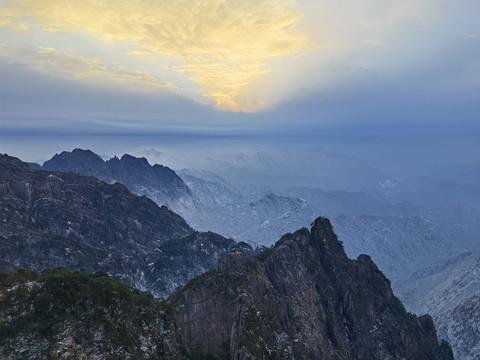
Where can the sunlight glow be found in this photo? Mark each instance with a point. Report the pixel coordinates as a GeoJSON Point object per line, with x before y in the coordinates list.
{"type": "Point", "coordinates": [221, 46]}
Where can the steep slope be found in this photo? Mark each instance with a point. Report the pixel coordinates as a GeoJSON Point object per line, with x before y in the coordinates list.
{"type": "Point", "coordinates": [158, 182]}
{"type": "Point", "coordinates": [50, 219]}
{"type": "Point", "coordinates": [302, 299]}
{"type": "Point", "coordinates": [450, 291]}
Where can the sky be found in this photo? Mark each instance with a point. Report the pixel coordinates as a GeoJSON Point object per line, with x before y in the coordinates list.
{"type": "Point", "coordinates": [104, 74]}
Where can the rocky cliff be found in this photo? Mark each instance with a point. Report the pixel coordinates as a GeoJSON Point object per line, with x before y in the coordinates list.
{"type": "Point", "coordinates": [301, 299]}
{"type": "Point", "coordinates": [50, 219]}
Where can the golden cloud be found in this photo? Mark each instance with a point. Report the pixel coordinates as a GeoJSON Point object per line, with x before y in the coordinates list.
{"type": "Point", "coordinates": [220, 45]}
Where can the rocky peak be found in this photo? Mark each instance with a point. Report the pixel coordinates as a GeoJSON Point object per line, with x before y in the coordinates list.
{"type": "Point", "coordinates": [129, 161]}
{"type": "Point", "coordinates": [303, 299]}
{"type": "Point", "coordinates": [79, 160]}
{"type": "Point", "coordinates": [326, 243]}
{"type": "Point", "coordinates": [158, 182]}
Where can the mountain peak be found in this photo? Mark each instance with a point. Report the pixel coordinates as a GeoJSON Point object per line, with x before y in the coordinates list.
{"type": "Point", "coordinates": [159, 183]}
{"type": "Point", "coordinates": [136, 160]}
{"type": "Point", "coordinates": [78, 161]}
{"type": "Point", "coordinates": [78, 153]}
{"type": "Point", "coordinates": [302, 298]}
{"type": "Point", "coordinates": [326, 239]}
{"type": "Point", "coordinates": [82, 151]}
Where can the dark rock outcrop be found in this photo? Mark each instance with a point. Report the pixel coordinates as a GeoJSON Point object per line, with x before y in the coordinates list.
{"type": "Point", "coordinates": [50, 219]}
{"type": "Point", "coordinates": [302, 299]}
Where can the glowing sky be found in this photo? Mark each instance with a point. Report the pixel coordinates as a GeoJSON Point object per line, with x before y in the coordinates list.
{"type": "Point", "coordinates": [213, 64]}
{"type": "Point", "coordinates": [218, 46]}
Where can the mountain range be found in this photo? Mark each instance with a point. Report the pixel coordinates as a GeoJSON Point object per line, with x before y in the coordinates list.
{"type": "Point", "coordinates": [401, 237]}
{"type": "Point", "coordinates": [51, 219]}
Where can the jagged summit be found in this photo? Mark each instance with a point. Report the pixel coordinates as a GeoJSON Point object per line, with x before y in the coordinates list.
{"type": "Point", "coordinates": [326, 239]}
{"type": "Point", "coordinates": [80, 161]}
{"type": "Point", "coordinates": [303, 299]}
{"type": "Point", "coordinates": [158, 182]}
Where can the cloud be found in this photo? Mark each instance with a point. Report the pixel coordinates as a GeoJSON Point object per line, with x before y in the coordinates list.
{"type": "Point", "coordinates": [249, 55]}
{"type": "Point", "coordinates": [222, 46]}
{"type": "Point", "coordinates": [69, 65]}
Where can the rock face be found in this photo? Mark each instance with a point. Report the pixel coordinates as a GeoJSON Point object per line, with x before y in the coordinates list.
{"type": "Point", "coordinates": [50, 219]}
{"type": "Point", "coordinates": [302, 299]}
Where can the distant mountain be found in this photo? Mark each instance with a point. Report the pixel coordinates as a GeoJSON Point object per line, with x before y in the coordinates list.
{"type": "Point", "coordinates": [258, 222]}
{"type": "Point", "coordinates": [158, 182]}
{"type": "Point", "coordinates": [327, 169]}
{"type": "Point", "coordinates": [246, 213]}
{"type": "Point", "coordinates": [50, 219]}
{"type": "Point", "coordinates": [301, 299]}
{"type": "Point", "coordinates": [434, 192]}
{"type": "Point", "coordinates": [213, 191]}
{"type": "Point", "coordinates": [336, 202]}
{"type": "Point", "coordinates": [450, 291]}
{"type": "Point", "coordinates": [400, 238]}
{"type": "Point", "coordinates": [461, 324]}
{"type": "Point", "coordinates": [410, 237]}
{"type": "Point", "coordinates": [260, 214]}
